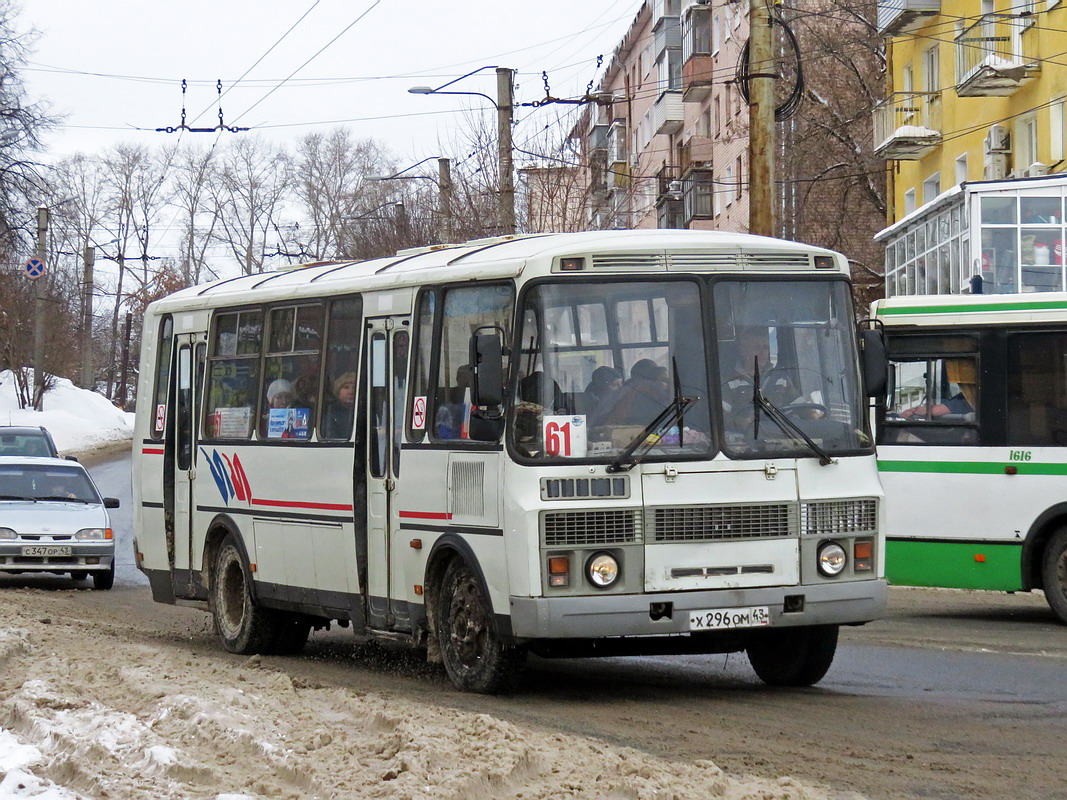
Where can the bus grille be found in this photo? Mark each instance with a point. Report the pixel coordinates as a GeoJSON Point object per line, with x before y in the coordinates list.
{"type": "Point", "coordinates": [839, 516]}
{"type": "Point", "coordinates": [578, 528]}
{"type": "Point", "coordinates": [716, 523]}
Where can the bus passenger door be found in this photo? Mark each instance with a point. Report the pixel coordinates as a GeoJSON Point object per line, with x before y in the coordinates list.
{"type": "Point", "coordinates": [386, 346]}
{"type": "Point", "coordinates": [182, 455]}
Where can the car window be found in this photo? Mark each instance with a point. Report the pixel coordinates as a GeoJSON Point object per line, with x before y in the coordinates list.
{"type": "Point", "coordinates": [19, 481]}
{"type": "Point", "coordinates": [25, 443]}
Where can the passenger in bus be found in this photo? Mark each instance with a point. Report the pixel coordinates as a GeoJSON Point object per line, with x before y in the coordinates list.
{"type": "Point", "coordinates": [604, 383]}
{"type": "Point", "coordinates": [337, 421]}
{"type": "Point", "coordinates": [639, 400]}
{"type": "Point", "coordinates": [280, 394]}
{"type": "Point", "coordinates": [752, 346]}
{"type": "Point", "coordinates": [448, 422]}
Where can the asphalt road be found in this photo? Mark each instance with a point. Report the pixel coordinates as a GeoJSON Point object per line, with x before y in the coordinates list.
{"type": "Point", "coordinates": [955, 694]}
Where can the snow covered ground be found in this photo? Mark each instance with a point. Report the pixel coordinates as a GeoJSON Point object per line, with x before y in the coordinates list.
{"type": "Point", "coordinates": [93, 708]}
{"type": "Point", "coordinates": [82, 423]}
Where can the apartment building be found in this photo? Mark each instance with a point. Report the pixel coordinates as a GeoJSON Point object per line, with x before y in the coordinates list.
{"type": "Point", "coordinates": [670, 150]}
{"type": "Point", "coordinates": [972, 130]}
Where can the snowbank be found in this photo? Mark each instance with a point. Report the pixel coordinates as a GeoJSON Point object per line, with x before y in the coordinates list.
{"type": "Point", "coordinates": [82, 423]}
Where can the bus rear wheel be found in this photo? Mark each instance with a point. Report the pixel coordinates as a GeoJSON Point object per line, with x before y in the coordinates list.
{"type": "Point", "coordinates": [1054, 573]}
{"type": "Point", "coordinates": [243, 626]}
{"type": "Point", "coordinates": [475, 657]}
{"type": "Point", "coordinates": [793, 656]}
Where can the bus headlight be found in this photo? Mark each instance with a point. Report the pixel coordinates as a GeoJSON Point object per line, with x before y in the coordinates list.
{"type": "Point", "coordinates": [602, 570]}
{"type": "Point", "coordinates": [832, 559]}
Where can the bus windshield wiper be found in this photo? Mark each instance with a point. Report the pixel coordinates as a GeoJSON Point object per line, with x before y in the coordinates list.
{"type": "Point", "coordinates": [17, 497]}
{"type": "Point", "coordinates": [650, 435]}
{"type": "Point", "coordinates": [779, 418]}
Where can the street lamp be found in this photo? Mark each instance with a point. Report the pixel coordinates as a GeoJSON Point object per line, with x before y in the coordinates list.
{"type": "Point", "coordinates": [444, 189]}
{"type": "Point", "coordinates": [505, 106]}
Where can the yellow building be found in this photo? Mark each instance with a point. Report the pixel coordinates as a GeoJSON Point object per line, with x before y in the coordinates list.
{"type": "Point", "coordinates": [972, 131]}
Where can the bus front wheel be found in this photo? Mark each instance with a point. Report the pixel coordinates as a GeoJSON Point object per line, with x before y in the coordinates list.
{"type": "Point", "coordinates": [793, 656]}
{"type": "Point", "coordinates": [475, 657]}
{"type": "Point", "coordinates": [243, 627]}
{"type": "Point", "coordinates": [1054, 573]}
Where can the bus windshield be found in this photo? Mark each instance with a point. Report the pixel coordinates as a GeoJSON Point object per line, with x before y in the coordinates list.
{"type": "Point", "coordinates": [794, 341]}
{"type": "Point", "coordinates": [600, 362]}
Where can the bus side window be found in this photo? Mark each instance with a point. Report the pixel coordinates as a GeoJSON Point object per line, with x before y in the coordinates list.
{"type": "Point", "coordinates": [342, 354]}
{"type": "Point", "coordinates": [233, 374]}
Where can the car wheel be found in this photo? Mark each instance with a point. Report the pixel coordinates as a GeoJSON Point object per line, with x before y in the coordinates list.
{"type": "Point", "coordinates": [104, 579]}
{"type": "Point", "coordinates": [793, 656]}
{"type": "Point", "coordinates": [79, 575]}
{"type": "Point", "coordinates": [1054, 573]}
{"type": "Point", "coordinates": [243, 626]}
{"type": "Point", "coordinates": [475, 657]}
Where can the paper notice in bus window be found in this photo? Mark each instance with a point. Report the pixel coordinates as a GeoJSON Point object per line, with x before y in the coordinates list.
{"type": "Point", "coordinates": [232, 423]}
{"type": "Point", "coordinates": [288, 423]}
{"type": "Point", "coordinates": [565, 436]}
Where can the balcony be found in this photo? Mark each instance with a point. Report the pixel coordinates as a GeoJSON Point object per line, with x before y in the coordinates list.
{"type": "Point", "coordinates": [598, 137]}
{"type": "Point", "coordinates": [697, 78]}
{"type": "Point", "coordinates": [667, 183]}
{"type": "Point", "coordinates": [697, 153]}
{"type": "Point", "coordinates": [668, 114]}
{"type": "Point", "coordinates": [617, 149]}
{"type": "Point", "coordinates": [994, 57]}
{"type": "Point", "coordinates": [907, 125]}
{"type": "Point", "coordinates": [667, 34]}
{"type": "Point", "coordinates": [896, 17]}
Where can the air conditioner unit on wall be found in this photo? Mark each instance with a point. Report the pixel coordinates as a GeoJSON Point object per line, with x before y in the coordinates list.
{"type": "Point", "coordinates": [1037, 170]}
{"type": "Point", "coordinates": [995, 166]}
{"type": "Point", "coordinates": [998, 139]}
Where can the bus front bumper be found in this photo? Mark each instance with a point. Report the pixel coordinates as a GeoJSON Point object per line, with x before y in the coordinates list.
{"type": "Point", "coordinates": [596, 616]}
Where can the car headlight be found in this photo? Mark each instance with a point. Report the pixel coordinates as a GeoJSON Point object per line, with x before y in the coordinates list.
{"type": "Point", "coordinates": [602, 570]}
{"type": "Point", "coordinates": [832, 559]}
{"type": "Point", "coordinates": [7, 533]}
{"type": "Point", "coordinates": [93, 534]}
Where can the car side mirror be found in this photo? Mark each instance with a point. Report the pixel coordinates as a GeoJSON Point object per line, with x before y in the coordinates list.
{"type": "Point", "coordinates": [487, 368]}
{"type": "Point", "coordinates": [874, 361]}
{"type": "Point", "coordinates": [71, 458]}
{"type": "Point", "coordinates": [111, 502]}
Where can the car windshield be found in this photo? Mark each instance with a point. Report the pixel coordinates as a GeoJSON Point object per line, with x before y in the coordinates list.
{"type": "Point", "coordinates": [793, 341]}
{"type": "Point", "coordinates": [599, 362]}
{"type": "Point", "coordinates": [24, 443]}
{"type": "Point", "coordinates": [31, 482]}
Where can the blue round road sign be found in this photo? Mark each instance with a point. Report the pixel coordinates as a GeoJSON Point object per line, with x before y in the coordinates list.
{"type": "Point", "coordinates": [34, 268]}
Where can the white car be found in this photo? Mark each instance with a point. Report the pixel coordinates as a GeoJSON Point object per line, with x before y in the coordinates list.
{"type": "Point", "coordinates": [53, 519]}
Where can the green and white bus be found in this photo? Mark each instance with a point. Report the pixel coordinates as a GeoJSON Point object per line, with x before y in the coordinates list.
{"type": "Point", "coordinates": [578, 444]}
{"type": "Point", "coordinates": [972, 447]}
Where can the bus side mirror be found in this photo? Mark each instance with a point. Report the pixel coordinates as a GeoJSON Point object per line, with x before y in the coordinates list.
{"type": "Point", "coordinates": [487, 369]}
{"type": "Point", "coordinates": [874, 361]}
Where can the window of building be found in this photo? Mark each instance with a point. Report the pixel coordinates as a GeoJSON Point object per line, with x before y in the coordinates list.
{"type": "Point", "coordinates": [1055, 125]}
{"type": "Point", "coordinates": [698, 191]}
{"type": "Point", "coordinates": [961, 168]}
{"type": "Point", "coordinates": [931, 187]}
{"type": "Point", "coordinates": [738, 178]}
{"type": "Point", "coordinates": [728, 187]}
{"type": "Point", "coordinates": [715, 38]}
{"type": "Point", "coordinates": [933, 391]}
{"type": "Point", "coordinates": [696, 31]}
{"type": "Point", "coordinates": [909, 201]}
{"type": "Point", "coordinates": [233, 374]}
{"type": "Point", "coordinates": [931, 66]}
{"type": "Point", "coordinates": [1025, 144]}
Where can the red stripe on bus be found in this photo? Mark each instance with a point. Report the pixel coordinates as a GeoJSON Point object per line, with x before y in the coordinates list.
{"type": "Point", "coordinates": [152, 451]}
{"type": "Point", "coordinates": [425, 515]}
{"type": "Point", "coordinates": [294, 504]}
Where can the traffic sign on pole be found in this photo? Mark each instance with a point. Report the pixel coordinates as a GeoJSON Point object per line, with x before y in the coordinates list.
{"type": "Point", "coordinates": [34, 268]}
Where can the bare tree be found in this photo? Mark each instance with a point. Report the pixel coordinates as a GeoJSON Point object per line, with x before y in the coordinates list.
{"type": "Point", "coordinates": [253, 181]}
{"type": "Point", "coordinates": [195, 170]}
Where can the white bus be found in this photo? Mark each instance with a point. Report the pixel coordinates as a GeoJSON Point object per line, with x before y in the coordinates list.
{"type": "Point", "coordinates": [972, 446]}
{"type": "Point", "coordinates": [573, 445]}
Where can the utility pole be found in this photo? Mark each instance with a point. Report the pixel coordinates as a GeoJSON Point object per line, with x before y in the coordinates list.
{"type": "Point", "coordinates": [444, 188]}
{"type": "Point", "coordinates": [761, 102]}
{"type": "Point", "coordinates": [505, 101]}
{"type": "Point", "coordinates": [88, 260]}
{"type": "Point", "coordinates": [38, 310]}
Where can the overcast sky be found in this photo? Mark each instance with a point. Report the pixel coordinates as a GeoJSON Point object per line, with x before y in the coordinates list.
{"type": "Point", "coordinates": [114, 68]}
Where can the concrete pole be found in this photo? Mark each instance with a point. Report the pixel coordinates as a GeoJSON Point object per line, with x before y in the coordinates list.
{"type": "Point", "coordinates": [505, 101]}
{"type": "Point", "coordinates": [88, 260]}
{"type": "Point", "coordinates": [444, 187]}
{"type": "Point", "coordinates": [38, 310]}
{"type": "Point", "coordinates": [761, 148]}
